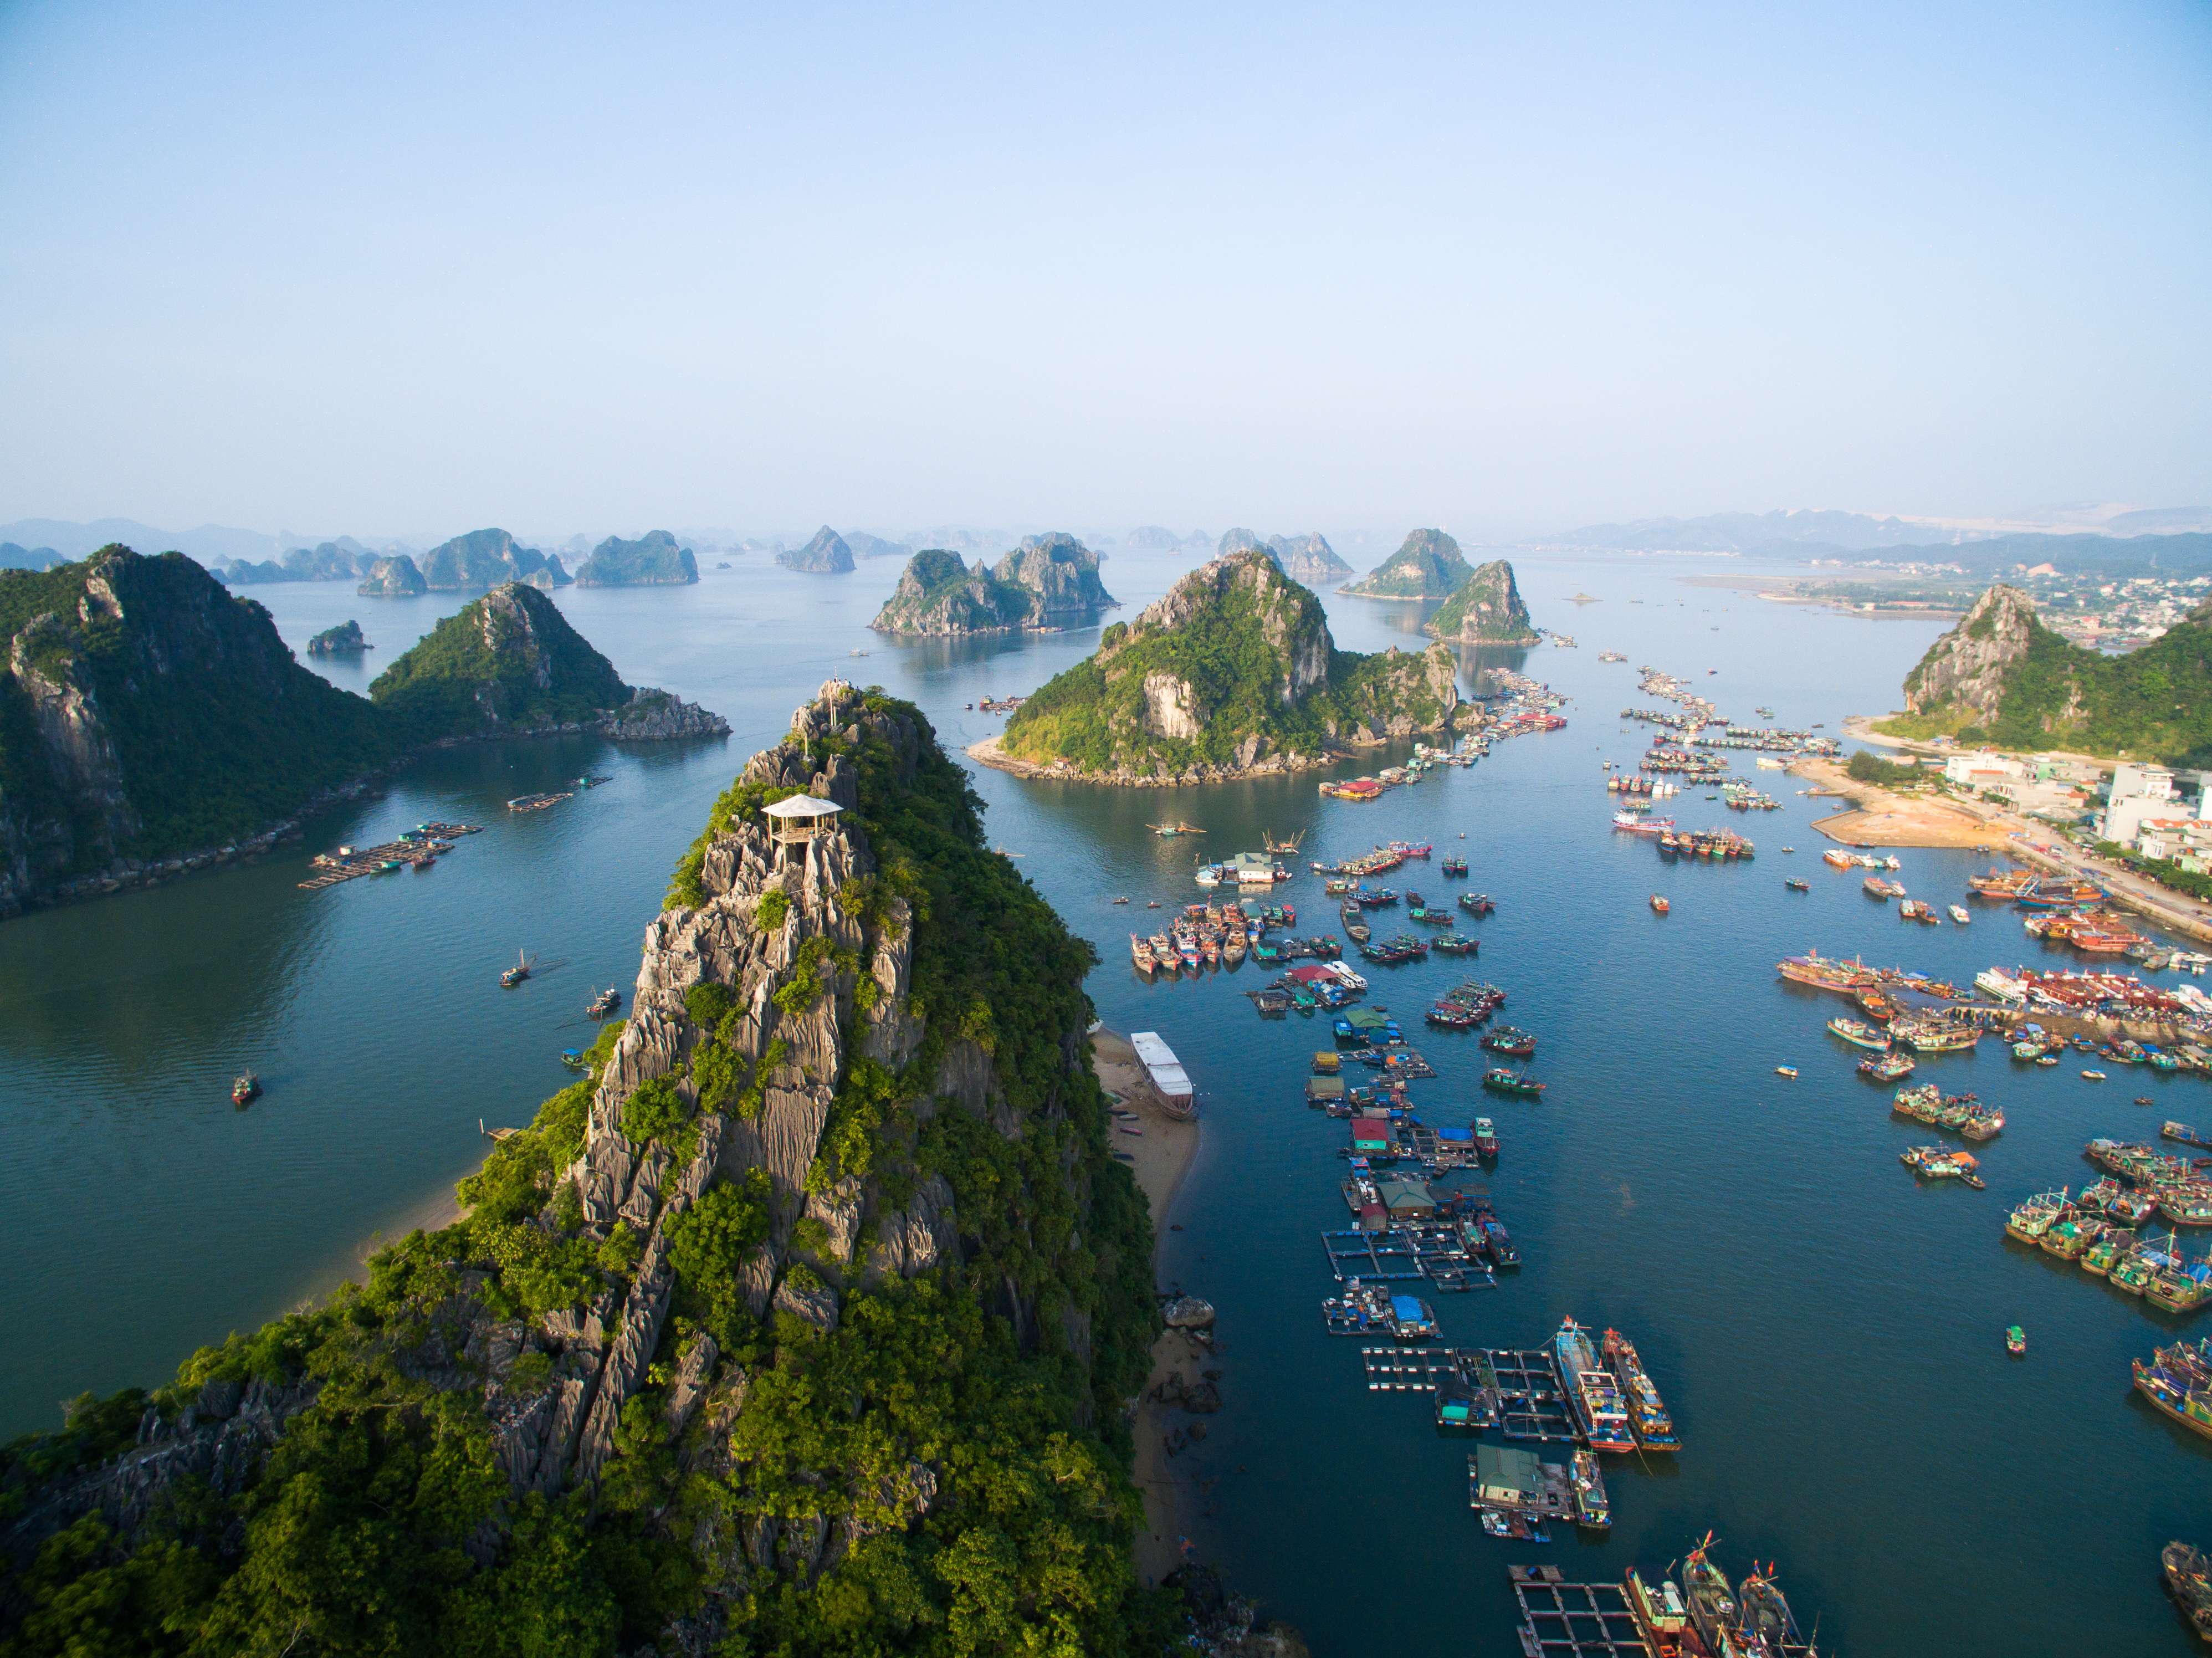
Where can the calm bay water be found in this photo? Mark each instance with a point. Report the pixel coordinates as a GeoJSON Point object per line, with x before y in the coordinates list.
{"type": "Point", "coordinates": [1827, 1333]}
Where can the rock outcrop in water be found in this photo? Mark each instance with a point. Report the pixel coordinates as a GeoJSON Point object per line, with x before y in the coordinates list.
{"type": "Point", "coordinates": [826, 555]}
{"type": "Point", "coordinates": [1428, 564]}
{"type": "Point", "coordinates": [654, 560]}
{"type": "Point", "coordinates": [510, 666]}
{"type": "Point", "coordinates": [1048, 581]}
{"type": "Point", "coordinates": [1232, 673]}
{"type": "Point", "coordinates": [1485, 610]}
{"type": "Point", "coordinates": [825, 1277]}
{"type": "Point", "coordinates": [488, 558]}
{"type": "Point", "coordinates": [1307, 558]}
{"type": "Point", "coordinates": [394, 578]}
{"type": "Point", "coordinates": [344, 639]}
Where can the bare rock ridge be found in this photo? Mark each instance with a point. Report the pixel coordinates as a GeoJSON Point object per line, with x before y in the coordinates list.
{"type": "Point", "coordinates": [1048, 581]}
{"type": "Point", "coordinates": [1233, 672]}
{"type": "Point", "coordinates": [825, 1252]}
{"type": "Point", "coordinates": [1968, 667]}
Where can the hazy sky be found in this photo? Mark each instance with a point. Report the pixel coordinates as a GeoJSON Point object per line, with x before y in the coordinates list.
{"type": "Point", "coordinates": [390, 269]}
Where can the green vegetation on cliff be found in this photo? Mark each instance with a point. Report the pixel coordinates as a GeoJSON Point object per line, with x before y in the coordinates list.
{"type": "Point", "coordinates": [1233, 666]}
{"type": "Point", "coordinates": [1485, 609]}
{"type": "Point", "coordinates": [145, 711]}
{"type": "Point", "coordinates": [509, 659]}
{"type": "Point", "coordinates": [654, 560]}
{"type": "Point", "coordinates": [1428, 564]}
{"type": "Point", "coordinates": [2001, 677]}
{"type": "Point", "coordinates": [940, 1467]}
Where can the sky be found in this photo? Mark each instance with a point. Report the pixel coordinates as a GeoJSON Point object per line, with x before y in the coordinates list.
{"type": "Point", "coordinates": [406, 269]}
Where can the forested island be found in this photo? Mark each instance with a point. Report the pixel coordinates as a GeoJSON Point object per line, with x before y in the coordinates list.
{"type": "Point", "coordinates": [1233, 673]}
{"type": "Point", "coordinates": [2000, 676]}
{"type": "Point", "coordinates": [804, 1322]}
{"type": "Point", "coordinates": [654, 560]}
{"type": "Point", "coordinates": [1049, 581]}
{"type": "Point", "coordinates": [344, 639]}
{"type": "Point", "coordinates": [153, 722]}
{"type": "Point", "coordinates": [827, 553]}
{"type": "Point", "coordinates": [1485, 609]}
{"type": "Point", "coordinates": [1428, 564]}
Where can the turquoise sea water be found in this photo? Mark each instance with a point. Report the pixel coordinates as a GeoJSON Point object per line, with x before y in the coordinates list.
{"type": "Point", "coordinates": [1828, 1335]}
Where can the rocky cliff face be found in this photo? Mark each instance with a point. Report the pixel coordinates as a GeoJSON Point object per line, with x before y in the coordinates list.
{"type": "Point", "coordinates": [1232, 671]}
{"type": "Point", "coordinates": [847, 1257]}
{"type": "Point", "coordinates": [1428, 564]}
{"type": "Point", "coordinates": [1968, 667]}
{"type": "Point", "coordinates": [394, 578]}
{"type": "Point", "coordinates": [828, 553]}
{"type": "Point", "coordinates": [1485, 610]}
{"type": "Point", "coordinates": [1060, 575]}
{"type": "Point", "coordinates": [1046, 582]}
{"type": "Point", "coordinates": [150, 721]}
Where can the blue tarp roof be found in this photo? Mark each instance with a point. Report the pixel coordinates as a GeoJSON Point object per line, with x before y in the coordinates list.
{"type": "Point", "coordinates": [1406, 1307]}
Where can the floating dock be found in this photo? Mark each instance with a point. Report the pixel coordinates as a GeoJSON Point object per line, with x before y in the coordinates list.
{"type": "Point", "coordinates": [1516, 1388]}
{"type": "Point", "coordinates": [1436, 1253]}
{"type": "Point", "coordinates": [351, 863]}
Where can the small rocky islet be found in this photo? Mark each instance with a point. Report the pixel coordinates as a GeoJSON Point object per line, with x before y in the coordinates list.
{"type": "Point", "coordinates": [1232, 673]}
{"type": "Point", "coordinates": [1046, 582]}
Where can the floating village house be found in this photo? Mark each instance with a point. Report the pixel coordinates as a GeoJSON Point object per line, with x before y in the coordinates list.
{"type": "Point", "coordinates": [1370, 1135]}
{"type": "Point", "coordinates": [1405, 1201]}
{"type": "Point", "coordinates": [1508, 1477]}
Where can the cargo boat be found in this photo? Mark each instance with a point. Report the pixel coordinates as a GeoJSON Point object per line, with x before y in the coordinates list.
{"type": "Point", "coordinates": [1647, 1414]}
{"type": "Point", "coordinates": [1594, 1397]}
{"type": "Point", "coordinates": [1592, 1510]}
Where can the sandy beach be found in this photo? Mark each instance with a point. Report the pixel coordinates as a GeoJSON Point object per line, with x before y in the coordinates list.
{"type": "Point", "coordinates": [1881, 818]}
{"type": "Point", "coordinates": [1163, 1154]}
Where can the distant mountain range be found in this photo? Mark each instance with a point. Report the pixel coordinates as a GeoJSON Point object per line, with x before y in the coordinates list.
{"type": "Point", "coordinates": [1816, 532]}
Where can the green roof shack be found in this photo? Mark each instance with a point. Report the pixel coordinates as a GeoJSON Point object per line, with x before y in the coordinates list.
{"type": "Point", "coordinates": [1507, 1477]}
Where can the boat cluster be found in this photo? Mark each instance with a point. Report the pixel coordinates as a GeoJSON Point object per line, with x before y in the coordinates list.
{"type": "Point", "coordinates": [1216, 934]}
{"type": "Point", "coordinates": [1957, 1114]}
{"type": "Point", "coordinates": [2096, 1231]}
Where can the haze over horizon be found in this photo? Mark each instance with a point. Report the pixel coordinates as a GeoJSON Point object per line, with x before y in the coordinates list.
{"type": "Point", "coordinates": [369, 271]}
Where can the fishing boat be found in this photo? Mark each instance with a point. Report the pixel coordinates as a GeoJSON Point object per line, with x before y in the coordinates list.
{"type": "Point", "coordinates": [1454, 866]}
{"type": "Point", "coordinates": [1593, 1396]}
{"type": "Point", "coordinates": [1796, 885]}
{"type": "Point", "coordinates": [1140, 954]}
{"type": "Point", "coordinates": [1168, 831]}
{"type": "Point", "coordinates": [1712, 1605]}
{"type": "Point", "coordinates": [1455, 945]}
{"type": "Point", "coordinates": [2035, 1215]}
{"type": "Point", "coordinates": [1961, 915]}
{"type": "Point", "coordinates": [604, 1003]}
{"type": "Point", "coordinates": [2189, 1579]}
{"type": "Point", "coordinates": [1876, 886]}
{"type": "Point", "coordinates": [1789, 1071]}
{"type": "Point", "coordinates": [1886, 1068]}
{"type": "Point", "coordinates": [2179, 1381]}
{"type": "Point", "coordinates": [515, 974]}
{"type": "Point", "coordinates": [1506, 1039]}
{"type": "Point", "coordinates": [1859, 1033]}
{"type": "Point", "coordinates": [1770, 1628]}
{"type": "Point", "coordinates": [574, 1059]}
{"type": "Point", "coordinates": [244, 1087]}
{"type": "Point", "coordinates": [1476, 903]}
{"type": "Point", "coordinates": [1592, 1510]}
{"type": "Point", "coordinates": [1486, 1137]}
{"type": "Point", "coordinates": [1659, 905]}
{"type": "Point", "coordinates": [1647, 1413]}
{"type": "Point", "coordinates": [1516, 1083]}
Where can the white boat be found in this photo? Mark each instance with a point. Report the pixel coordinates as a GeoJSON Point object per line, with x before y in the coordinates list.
{"type": "Point", "coordinates": [2001, 984]}
{"type": "Point", "coordinates": [1959, 914]}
